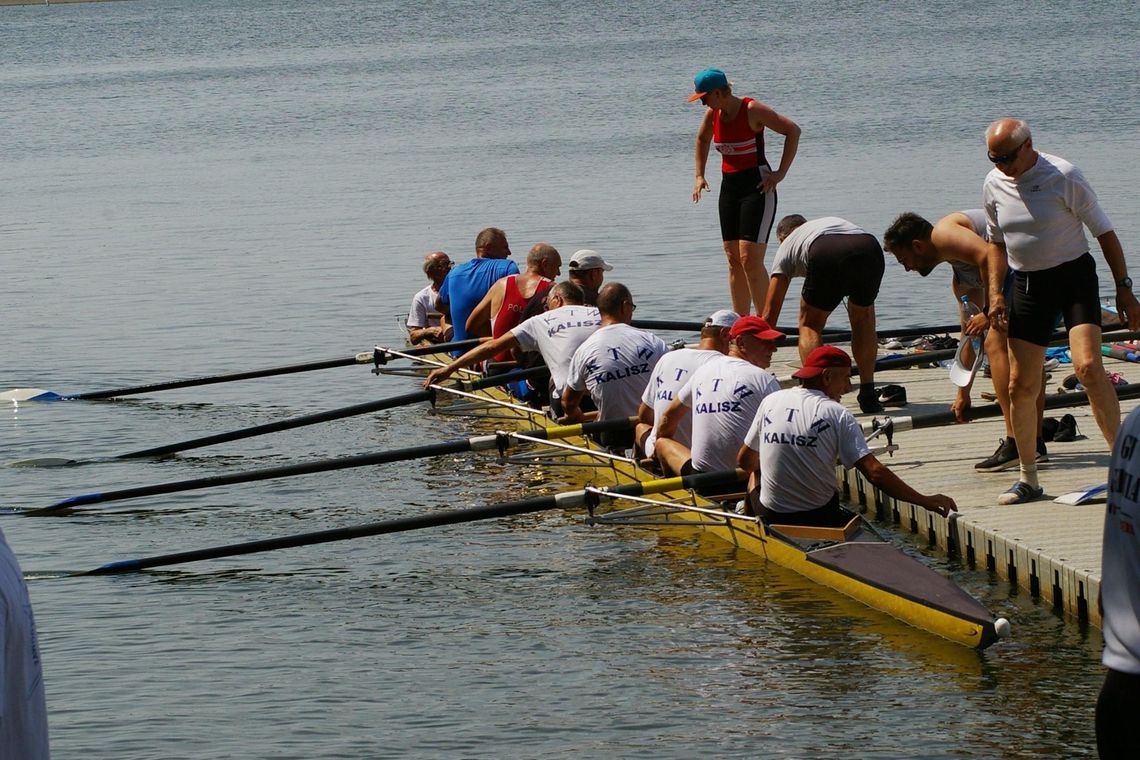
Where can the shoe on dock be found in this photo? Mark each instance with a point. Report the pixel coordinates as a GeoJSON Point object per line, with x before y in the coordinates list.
{"type": "Point", "coordinates": [869, 403]}
{"type": "Point", "coordinates": [1005, 456]}
{"type": "Point", "coordinates": [1020, 493]}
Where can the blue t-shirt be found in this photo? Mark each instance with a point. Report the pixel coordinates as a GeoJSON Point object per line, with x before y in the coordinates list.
{"type": "Point", "coordinates": [466, 285]}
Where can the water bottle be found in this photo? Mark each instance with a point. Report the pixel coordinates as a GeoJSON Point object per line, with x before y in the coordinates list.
{"type": "Point", "coordinates": [969, 311]}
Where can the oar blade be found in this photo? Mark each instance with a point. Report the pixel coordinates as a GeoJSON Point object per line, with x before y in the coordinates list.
{"type": "Point", "coordinates": [19, 395]}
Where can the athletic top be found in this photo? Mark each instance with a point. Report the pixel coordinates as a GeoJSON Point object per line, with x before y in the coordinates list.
{"type": "Point", "coordinates": [792, 256]}
{"type": "Point", "coordinates": [422, 312]}
{"type": "Point", "coordinates": [614, 365]}
{"type": "Point", "coordinates": [968, 275]}
{"type": "Point", "coordinates": [556, 334]}
{"type": "Point", "coordinates": [1038, 216]}
{"type": "Point", "coordinates": [673, 371]}
{"type": "Point", "coordinates": [466, 285]}
{"type": "Point", "coordinates": [724, 395]}
{"type": "Point", "coordinates": [800, 433]}
{"type": "Point", "coordinates": [23, 709]}
{"type": "Point", "coordinates": [740, 148]}
{"type": "Point", "coordinates": [1120, 561]}
{"type": "Point", "coordinates": [511, 310]}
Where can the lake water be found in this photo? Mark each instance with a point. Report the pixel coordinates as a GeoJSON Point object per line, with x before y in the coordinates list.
{"type": "Point", "coordinates": [199, 186]}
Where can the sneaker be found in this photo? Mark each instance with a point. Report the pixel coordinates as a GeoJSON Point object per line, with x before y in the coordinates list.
{"type": "Point", "coordinates": [869, 403]}
{"type": "Point", "coordinates": [1003, 458]}
{"type": "Point", "coordinates": [1049, 428]}
{"type": "Point", "coordinates": [1020, 493]}
{"type": "Point", "coordinates": [1042, 454]}
{"type": "Point", "coordinates": [1066, 429]}
{"type": "Point", "coordinates": [892, 395]}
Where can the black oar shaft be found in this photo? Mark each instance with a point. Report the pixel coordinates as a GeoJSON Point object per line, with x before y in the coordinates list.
{"type": "Point", "coordinates": [568, 500]}
{"type": "Point", "coordinates": [313, 419]}
{"type": "Point", "coordinates": [192, 382]}
{"type": "Point", "coordinates": [338, 463]}
{"type": "Point", "coordinates": [1052, 401]}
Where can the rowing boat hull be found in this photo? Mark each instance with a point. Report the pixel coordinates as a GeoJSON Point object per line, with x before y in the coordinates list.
{"type": "Point", "coordinates": [864, 566]}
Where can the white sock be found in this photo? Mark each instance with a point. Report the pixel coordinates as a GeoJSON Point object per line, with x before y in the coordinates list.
{"type": "Point", "coordinates": [1029, 474]}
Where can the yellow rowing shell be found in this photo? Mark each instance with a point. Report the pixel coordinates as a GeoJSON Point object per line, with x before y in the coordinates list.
{"type": "Point", "coordinates": [856, 560]}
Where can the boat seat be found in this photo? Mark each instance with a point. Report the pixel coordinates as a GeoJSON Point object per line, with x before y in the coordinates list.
{"type": "Point", "coordinates": [814, 533]}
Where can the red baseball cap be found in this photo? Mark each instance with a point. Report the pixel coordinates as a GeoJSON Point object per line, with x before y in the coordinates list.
{"type": "Point", "coordinates": [824, 357]}
{"type": "Point", "coordinates": [757, 327]}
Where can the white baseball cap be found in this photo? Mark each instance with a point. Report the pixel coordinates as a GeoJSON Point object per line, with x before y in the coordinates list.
{"type": "Point", "coordinates": [722, 318]}
{"type": "Point", "coordinates": [587, 259]}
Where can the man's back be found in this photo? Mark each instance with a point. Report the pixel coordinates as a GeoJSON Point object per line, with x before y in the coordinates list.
{"type": "Point", "coordinates": [672, 373]}
{"type": "Point", "coordinates": [614, 365]}
{"type": "Point", "coordinates": [466, 285]}
{"type": "Point", "coordinates": [724, 395]}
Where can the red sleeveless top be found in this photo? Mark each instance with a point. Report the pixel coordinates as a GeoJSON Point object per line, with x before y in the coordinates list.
{"type": "Point", "coordinates": [511, 310]}
{"type": "Point", "coordinates": [740, 148]}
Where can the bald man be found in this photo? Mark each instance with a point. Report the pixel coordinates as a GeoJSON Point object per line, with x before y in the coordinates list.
{"type": "Point", "coordinates": [425, 324]}
{"type": "Point", "coordinates": [1037, 206]}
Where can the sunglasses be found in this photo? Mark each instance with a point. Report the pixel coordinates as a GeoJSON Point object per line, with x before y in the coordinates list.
{"type": "Point", "coordinates": [1006, 158]}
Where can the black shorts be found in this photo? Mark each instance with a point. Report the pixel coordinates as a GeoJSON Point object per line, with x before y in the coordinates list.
{"type": "Point", "coordinates": [746, 213]}
{"type": "Point", "coordinates": [1071, 288]}
{"type": "Point", "coordinates": [830, 515]}
{"type": "Point", "coordinates": [1116, 709]}
{"type": "Point", "coordinates": [841, 266]}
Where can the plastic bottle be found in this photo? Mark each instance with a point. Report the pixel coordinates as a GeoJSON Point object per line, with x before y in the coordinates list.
{"type": "Point", "coordinates": [969, 311]}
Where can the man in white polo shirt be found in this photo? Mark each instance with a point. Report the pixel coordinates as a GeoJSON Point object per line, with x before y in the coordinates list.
{"type": "Point", "coordinates": [672, 372]}
{"type": "Point", "coordinates": [723, 397]}
{"type": "Point", "coordinates": [1037, 206]}
{"type": "Point", "coordinates": [613, 365]}
{"type": "Point", "coordinates": [795, 440]}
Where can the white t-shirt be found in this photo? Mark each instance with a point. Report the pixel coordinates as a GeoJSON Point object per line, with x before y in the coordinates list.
{"type": "Point", "coordinates": [792, 256]}
{"type": "Point", "coordinates": [614, 365]}
{"type": "Point", "coordinates": [556, 334]}
{"type": "Point", "coordinates": [724, 395]}
{"type": "Point", "coordinates": [422, 312]}
{"type": "Point", "coordinates": [672, 371]}
{"type": "Point", "coordinates": [800, 433]}
{"type": "Point", "coordinates": [1038, 216]}
{"type": "Point", "coordinates": [23, 709]}
{"type": "Point", "coordinates": [1120, 562]}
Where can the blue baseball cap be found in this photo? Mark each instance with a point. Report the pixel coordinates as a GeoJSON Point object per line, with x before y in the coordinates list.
{"type": "Point", "coordinates": [706, 81]}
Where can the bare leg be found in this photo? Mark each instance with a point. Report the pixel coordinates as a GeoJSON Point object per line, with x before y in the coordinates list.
{"type": "Point", "coordinates": [671, 454]}
{"type": "Point", "coordinates": [737, 278]}
{"type": "Point", "coordinates": [1084, 343]}
{"type": "Point", "coordinates": [998, 353]}
{"type": "Point", "coordinates": [864, 341]}
{"type": "Point", "coordinates": [752, 261]}
{"type": "Point", "coordinates": [812, 322]}
{"type": "Point", "coordinates": [1025, 363]}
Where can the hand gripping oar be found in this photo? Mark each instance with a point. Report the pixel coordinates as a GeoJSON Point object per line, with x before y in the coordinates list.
{"type": "Point", "coordinates": [478, 443]}
{"type": "Point", "coordinates": [333, 414]}
{"type": "Point", "coordinates": [364, 357]}
{"type": "Point", "coordinates": [566, 500]}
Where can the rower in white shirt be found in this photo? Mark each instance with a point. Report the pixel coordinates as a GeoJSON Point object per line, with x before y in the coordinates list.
{"type": "Point", "coordinates": [670, 375]}
{"type": "Point", "coordinates": [613, 365]}
{"type": "Point", "coordinates": [723, 396]}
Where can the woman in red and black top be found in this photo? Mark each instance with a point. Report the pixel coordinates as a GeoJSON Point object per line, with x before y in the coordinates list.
{"type": "Point", "coordinates": [735, 126]}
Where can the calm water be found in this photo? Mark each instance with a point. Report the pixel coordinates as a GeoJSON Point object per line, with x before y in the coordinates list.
{"type": "Point", "coordinates": [203, 186]}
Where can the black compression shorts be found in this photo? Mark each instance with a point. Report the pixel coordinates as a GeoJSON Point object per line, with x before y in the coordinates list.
{"type": "Point", "coordinates": [1116, 711]}
{"type": "Point", "coordinates": [1070, 288]}
{"type": "Point", "coordinates": [843, 265]}
{"type": "Point", "coordinates": [746, 213]}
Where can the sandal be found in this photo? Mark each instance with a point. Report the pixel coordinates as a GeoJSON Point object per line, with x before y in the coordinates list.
{"type": "Point", "coordinates": [1020, 493]}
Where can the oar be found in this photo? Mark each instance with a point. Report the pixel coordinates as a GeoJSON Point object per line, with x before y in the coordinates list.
{"type": "Point", "coordinates": [364, 357]}
{"type": "Point", "coordinates": [333, 414]}
{"type": "Point", "coordinates": [565, 500]}
{"type": "Point", "coordinates": [936, 419]}
{"type": "Point", "coordinates": [477, 443]}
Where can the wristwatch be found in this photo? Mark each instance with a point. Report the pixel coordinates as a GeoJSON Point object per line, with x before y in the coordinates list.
{"type": "Point", "coordinates": [1124, 282]}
